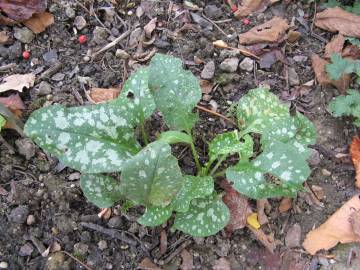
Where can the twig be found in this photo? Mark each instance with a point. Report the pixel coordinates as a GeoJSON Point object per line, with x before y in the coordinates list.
{"type": "Point", "coordinates": [50, 71]}
{"type": "Point", "coordinates": [112, 43]}
{"type": "Point", "coordinates": [201, 108]}
{"type": "Point", "coordinates": [77, 96]}
{"type": "Point", "coordinates": [87, 94]}
{"type": "Point", "coordinates": [8, 66]}
{"type": "Point", "coordinates": [76, 259]}
{"type": "Point", "coordinates": [213, 23]}
{"type": "Point", "coordinates": [176, 251]}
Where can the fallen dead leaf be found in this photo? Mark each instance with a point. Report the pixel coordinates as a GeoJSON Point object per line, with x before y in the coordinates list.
{"type": "Point", "coordinates": [336, 229]}
{"type": "Point", "coordinates": [318, 65]}
{"type": "Point", "coordinates": [249, 6]}
{"type": "Point", "coordinates": [150, 27]}
{"type": "Point", "coordinates": [271, 57]}
{"type": "Point", "coordinates": [14, 103]}
{"type": "Point", "coordinates": [336, 45]}
{"type": "Point", "coordinates": [100, 95]}
{"type": "Point", "coordinates": [163, 242]}
{"type": "Point", "coordinates": [222, 264]}
{"type": "Point", "coordinates": [238, 206]}
{"type": "Point", "coordinates": [270, 31]}
{"type": "Point", "coordinates": [267, 240]}
{"type": "Point", "coordinates": [261, 205]}
{"type": "Point", "coordinates": [206, 86]}
{"type": "Point", "coordinates": [4, 37]}
{"type": "Point", "coordinates": [17, 82]}
{"type": "Point", "coordinates": [20, 10]}
{"type": "Point", "coordinates": [293, 36]}
{"type": "Point", "coordinates": [338, 20]}
{"type": "Point", "coordinates": [355, 156]}
{"type": "Point", "coordinates": [147, 264]}
{"type": "Point", "coordinates": [39, 21]}
{"type": "Point", "coordinates": [285, 205]}
{"type": "Point", "coordinates": [187, 260]}
{"type": "Point", "coordinates": [355, 222]}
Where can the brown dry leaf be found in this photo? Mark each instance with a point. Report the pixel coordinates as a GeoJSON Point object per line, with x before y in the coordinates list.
{"type": "Point", "coordinates": [222, 264]}
{"type": "Point", "coordinates": [267, 240]}
{"type": "Point", "coordinates": [100, 95]}
{"type": "Point", "coordinates": [187, 260]}
{"type": "Point", "coordinates": [163, 242]}
{"type": "Point", "coordinates": [260, 205]}
{"type": "Point", "coordinates": [336, 45]}
{"type": "Point", "coordinates": [238, 206]}
{"type": "Point", "coordinates": [17, 82]}
{"type": "Point", "coordinates": [150, 27]}
{"type": "Point", "coordinates": [270, 31]}
{"type": "Point", "coordinates": [355, 222]}
{"type": "Point", "coordinates": [285, 205]}
{"type": "Point", "coordinates": [147, 264]}
{"type": "Point", "coordinates": [338, 20]}
{"type": "Point", "coordinates": [355, 156]}
{"type": "Point", "coordinates": [220, 44]}
{"type": "Point", "coordinates": [318, 65]}
{"type": "Point", "coordinates": [4, 37]}
{"type": "Point", "coordinates": [14, 103]}
{"type": "Point", "coordinates": [336, 229]}
{"type": "Point", "coordinates": [249, 6]}
{"type": "Point", "coordinates": [293, 36]}
{"type": "Point", "coordinates": [206, 86]}
{"type": "Point", "coordinates": [20, 10]}
{"type": "Point", "coordinates": [39, 21]}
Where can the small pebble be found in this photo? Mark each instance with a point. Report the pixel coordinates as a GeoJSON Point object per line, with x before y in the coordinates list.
{"type": "Point", "coordinates": [79, 22]}
{"type": "Point", "coordinates": [247, 64]}
{"type": "Point", "coordinates": [86, 58]}
{"type": "Point", "coordinates": [208, 71]}
{"type": "Point", "coordinates": [74, 176]}
{"type": "Point", "coordinates": [30, 220]}
{"type": "Point", "coordinates": [25, 35]}
{"type": "Point", "coordinates": [122, 54]}
{"type": "Point", "coordinates": [70, 12]}
{"type": "Point", "coordinates": [4, 265]}
{"type": "Point", "coordinates": [229, 64]}
{"type": "Point", "coordinates": [19, 214]}
{"type": "Point", "coordinates": [102, 245]}
{"type": "Point", "coordinates": [325, 172]}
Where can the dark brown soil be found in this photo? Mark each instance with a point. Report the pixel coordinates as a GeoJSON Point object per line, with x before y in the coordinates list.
{"type": "Point", "coordinates": [41, 187]}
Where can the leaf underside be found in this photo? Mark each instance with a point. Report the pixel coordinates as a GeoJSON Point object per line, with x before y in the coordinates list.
{"type": "Point", "coordinates": [205, 217]}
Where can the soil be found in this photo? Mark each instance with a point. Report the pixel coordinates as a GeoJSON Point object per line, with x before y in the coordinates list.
{"type": "Point", "coordinates": [45, 204]}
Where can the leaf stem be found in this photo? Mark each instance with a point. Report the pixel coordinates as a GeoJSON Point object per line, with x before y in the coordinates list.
{"type": "Point", "coordinates": [218, 174]}
{"type": "Point", "coordinates": [220, 160]}
{"type": "Point", "coordinates": [143, 133]}
{"type": "Point", "coordinates": [194, 152]}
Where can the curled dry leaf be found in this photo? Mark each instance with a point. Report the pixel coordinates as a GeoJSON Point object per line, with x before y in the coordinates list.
{"type": "Point", "coordinates": [355, 156]}
{"type": "Point", "coordinates": [150, 27]}
{"type": "Point", "coordinates": [163, 242]}
{"type": "Point", "coordinates": [206, 86]}
{"type": "Point", "coordinates": [20, 10]}
{"type": "Point", "coordinates": [336, 45]}
{"type": "Point", "coordinates": [337, 228]}
{"type": "Point", "coordinates": [187, 260]}
{"type": "Point", "coordinates": [261, 205]}
{"type": "Point", "coordinates": [249, 6]}
{"type": "Point", "coordinates": [270, 31]}
{"type": "Point", "coordinates": [17, 82]}
{"type": "Point", "coordinates": [100, 95]}
{"type": "Point", "coordinates": [267, 240]}
{"type": "Point", "coordinates": [338, 20]}
{"type": "Point", "coordinates": [39, 21]}
{"type": "Point", "coordinates": [285, 205]}
{"type": "Point", "coordinates": [318, 65]}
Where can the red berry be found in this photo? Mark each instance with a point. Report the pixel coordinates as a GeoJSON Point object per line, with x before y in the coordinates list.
{"type": "Point", "coordinates": [26, 55]}
{"type": "Point", "coordinates": [82, 39]}
{"type": "Point", "coordinates": [246, 21]}
{"type": "Point", "coordinates": [234, 8]}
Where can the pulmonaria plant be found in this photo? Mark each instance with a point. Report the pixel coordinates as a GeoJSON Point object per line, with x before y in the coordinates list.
{"type": "Point", "coordinates": [100, 139]}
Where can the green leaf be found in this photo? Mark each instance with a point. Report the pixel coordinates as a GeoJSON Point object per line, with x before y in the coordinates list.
{"type": "Point", "coordinates": [176, 91]}
{"type": "Point", "coordinates": [205, 217]}
{"type": "Point", "coordinates": [194, 187]}
{"type": "Point", "coordinates": [224, 144]}
{"type": "Point", "coordinates": [339, 67]}
{"type": "Point", "coordinates": [101, 190]}
{"type": "Point", "coordinates": [136, 91]}
{"type": "Point", "coordinates": [247, 149]}
{"type": "Point", "coordinates": [256, 108]}
{"type": "Point", "coordinates": [153, 176]}
{"type": "Point", "coordinates": [155, 216]}
{"type": "Point", "coordinates": [2, 122]}
{"type": "Point", "coordinates": [348, 105]}
{"type": "Point", "coordinates": [90, 139]}
{"type": "Point", "coordinates": [172, 137]}
{"type": "Point", "coordinates": [278, 159]}
{"type": "Point", "coordinates": [353, 41]}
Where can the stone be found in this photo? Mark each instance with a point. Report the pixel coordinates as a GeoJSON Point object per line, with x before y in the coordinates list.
{"type": "Point", "coordinates": [15, 50]}
{"type": "Point", "coordinates": [213, 12]}
{"type": "Point", "coordinates": [51, 56]}
{"type": "Point", "coordinates": [115, 32]}
{"type": "Point", "coordinates": [102, 245]}
{"type": "Point", "coordinates": [314, 158]}
{"type": "Point", "coordinates": [135, 37]}
{"type": "Point", "coordinates": [293, 236]}
{"type": "Point", "coordinates": [79, 22]}
{"type": "Point", "coordinates": [74, 176]}
{"type": "Point", "coordinates": [58, 77]}
{"type": "Point", "coordinates": [81, 248]}
{"type": "Point", "coordinates": [122, 54]}
{"type": "Point", "coordinates": [26, 250]}
{"type": "Point", "coordinates": [300, 58]}
{"type": "Point", "coordinates": [247, 64]}
{"type": "Point", "coordinates": [325, 172]}
{"type": "Point", "coordinates": [4, 265]}
{"type": "Point", "coordinates": [70, 12]}
{"type": "Point", "coordinates": [57, 261]}
{"type": "Point", "coordinates": [293, 77]}
{"type": "Point", "coordinates": [44, 89]}
{"type": "Point", "coordinates": [26, 147]}
{"type": "Point", "coordinates": [30, 220]}
{"type": "Point", "coordinates": [229, 64]}
{"type": "Point", "coordinates": [19, 214]}
{"type": "Point", "coordinates": [208, 71]}
{"type": "Point", "coordinates": [24, 34]}
{"type": "Point", "coordinates": [99, 35]}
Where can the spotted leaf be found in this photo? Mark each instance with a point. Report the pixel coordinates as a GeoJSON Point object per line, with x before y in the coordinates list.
{"type": "Point", "coordinates": [136, 91]}
{"type": "Point", "coordinates": [91, 139]}
{"type": "Point", "coordinates": [256, 108]}
{"type": "Point", "coordinates": [174, 136]}
{"type": "Point", "coordinates": [176, 91]}
{"type": "Point", "coordinates": [101, 190]}
{"type": "Point", "coordinates": [194, 187]}
{"type": "Point", "coordinates": [205, 217]}
{"type": "Point", "coordinates": [155, 216]}
{"type": "Point", "coordinates": [153, 176]}
{"type": "Point", "coordinates": [2, 122]}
